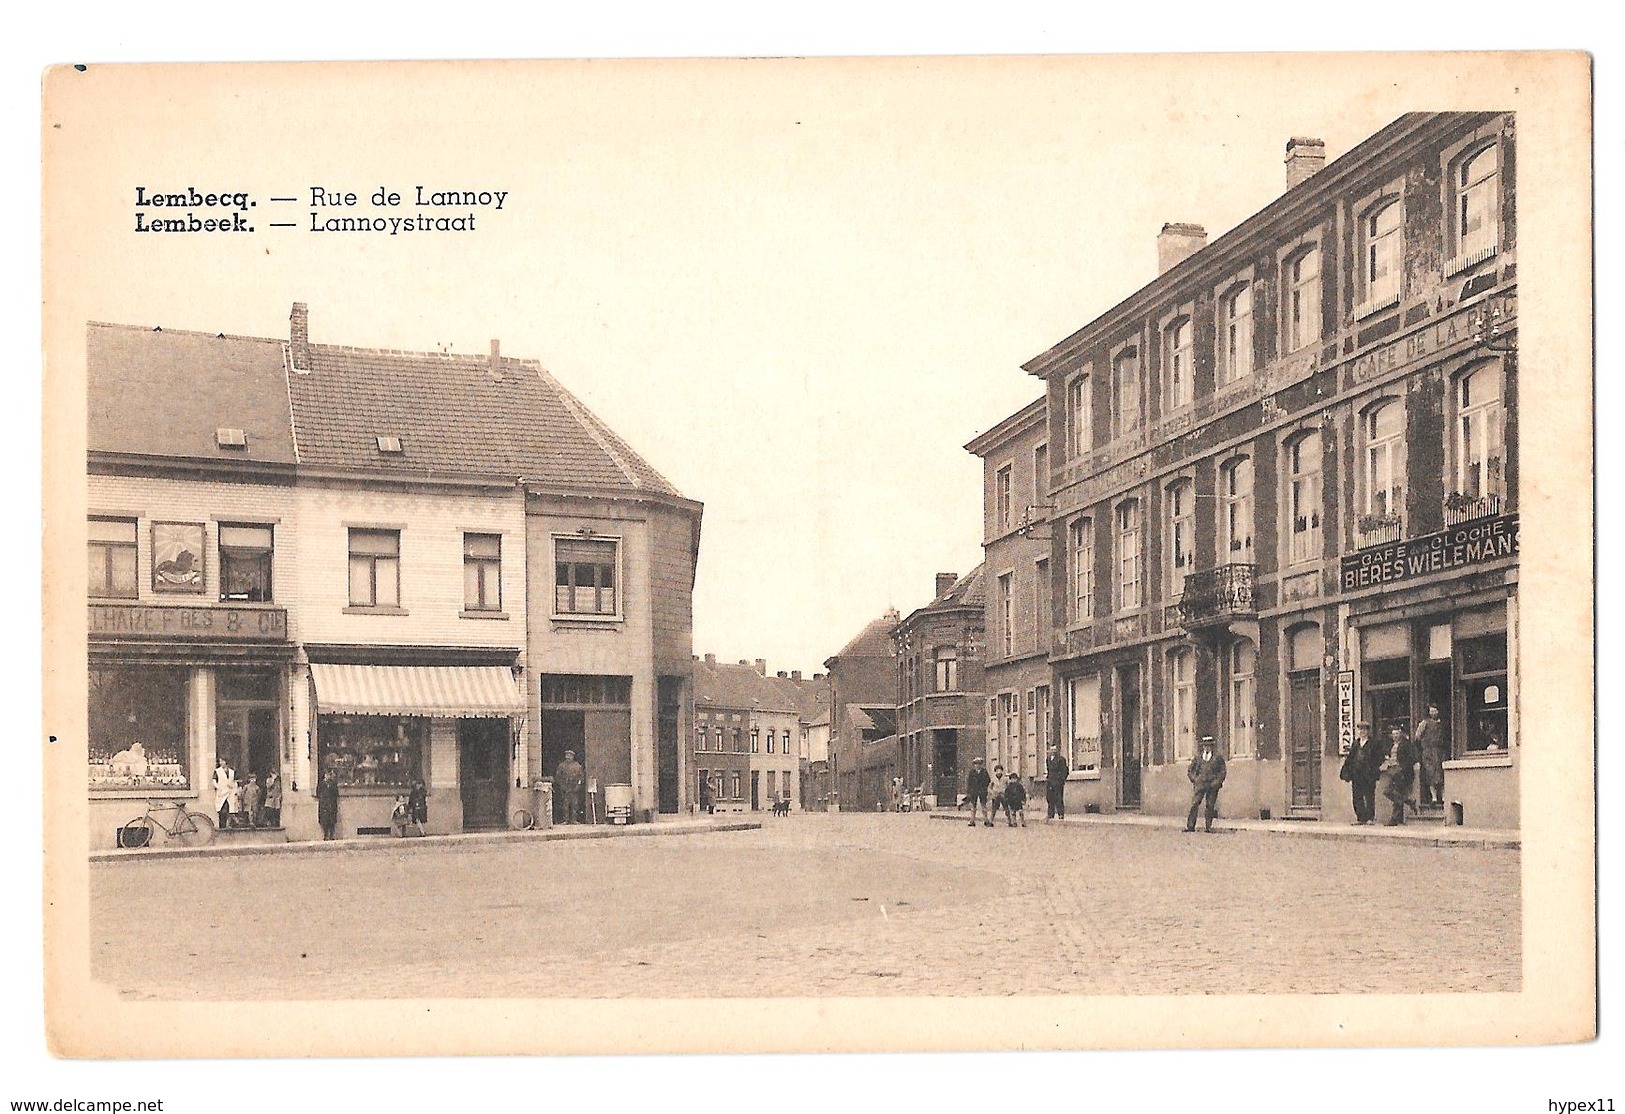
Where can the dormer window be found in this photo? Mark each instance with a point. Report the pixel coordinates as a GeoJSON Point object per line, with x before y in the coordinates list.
{"type": "Point", "coordinates": [389, 444]}
{"type": "Point", "coordinates": [228, 438]}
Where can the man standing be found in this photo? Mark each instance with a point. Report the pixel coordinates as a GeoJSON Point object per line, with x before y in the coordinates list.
{"type": "Point", "coordinates": [1430, 745]}
{"type": "Point", "coordinates": [976, 784]}
{"type": "Point", "coordinates": [1361, 767]}
{"type": "Point", "coordinates": [1055, 772]}
{"type": "Point", "coordinates": [1206, 773]}
{"type": "Point", "coordinates": [567, 781]}
{"type": "Point", "coordinates": [1400, 769]}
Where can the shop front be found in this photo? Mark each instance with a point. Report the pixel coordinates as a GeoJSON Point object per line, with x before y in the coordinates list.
{"type": "Point", "coordinates": [173, 688]}
{"type": "Point", "coordinates": [1447, 648]}
{"type": "Point", "coordinates": [383, 729]}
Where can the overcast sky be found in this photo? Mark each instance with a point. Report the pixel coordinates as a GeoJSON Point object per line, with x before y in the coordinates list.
{"type": "Point", "coordinates": [796, 288]}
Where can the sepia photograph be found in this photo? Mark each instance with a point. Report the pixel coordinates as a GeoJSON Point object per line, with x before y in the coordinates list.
{"type": "Point", "coordinates": [818, 555]}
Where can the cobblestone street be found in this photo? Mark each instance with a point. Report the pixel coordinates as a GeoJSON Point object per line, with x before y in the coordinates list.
{"type": "Point", "coordinates": [818, 905]}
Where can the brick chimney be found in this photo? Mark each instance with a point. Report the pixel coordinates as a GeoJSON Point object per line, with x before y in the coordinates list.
{"type": "Point", "coordinates": [795, 674]}
{"type": "Point", "coordinates": [819, 676]}
{"type": "Point", "coordinates": [761, 667]}
{"type": "Point", "coordinates": [945, 581]}
{"type": "Point", "coordinates": [1304, 157]}
{"type": "Point", "coordinates": [496, 360]}
{"type": "Point", "coordinates": [299, 336]}
{"type": "Point", "coordinates": [710, 659]}
{"type": "Point", "coordinates": [1177, 242]}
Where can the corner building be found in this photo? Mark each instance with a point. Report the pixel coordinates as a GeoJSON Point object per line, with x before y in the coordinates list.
{"type": "Point", "coordinates": [1284, 488]}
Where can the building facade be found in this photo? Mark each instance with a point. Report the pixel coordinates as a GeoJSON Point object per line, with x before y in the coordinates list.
{"type": "Point", "coordinates": [748, 730]}
{"type": "Point", "coordinates": [488, 577]}
{"type": "Point", "coordinates": [940, 687]}
{"type": "Point", "coordinates": [862, 732]}
{"type": "Point", "coordinates": [1017, 539]}
{"type": "Point", "coordinates": [1284, 488]}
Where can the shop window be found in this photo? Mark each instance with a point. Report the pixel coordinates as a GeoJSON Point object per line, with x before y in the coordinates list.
{"type": "Point", "coordinates": [1126, 400]}
{"type": "Point", "coordinates": [1083, 699]}
{"type": "Point", "coordinates": [1302, 309]}
{"type": "Point", "coordinates": [1482, 669]}
{"type": "Point", "coordinates": [1179, 374]}
{"type": "Point", "coordinates": [375, 568]}
{"type": "Point", "coordinates": [1243, 663]}
{"type": "Point", "coordinates": [373, 752]}
{"type": "Point", "coordinates": [1305, 503]}
{"type": "Point", "coordinates": [113, 558]}
{"type": "Point", "coordinates": [1181, 535]}
{"type": "Point", "coordinates": [1236, 334]}
{"type": "Point", "coordinates": [1387, 688]}
{"type": "Point", "coordinates": [1182, 710]}
{"type": "Point", "coordinates": [1236, 523]}
{"type": "Point", "coordinates": [1080, 410]}
{"type": "Point", "coordinates": [1382, 253]}
{"type": "Point", "coordinates": [1129, 566]}
{"type": "Point", "coordinates": [138, 729]}
{"type": "Point", "coordinates": [585, 576]}
{"type": "Point", "coordinates": [947, 668]}
{"type": "Point", "coordinates": [1082, 534]}
{"type": "Point", "coordinates": [482, 572]}
{"type": "Point", "coordinates": [245, 562]}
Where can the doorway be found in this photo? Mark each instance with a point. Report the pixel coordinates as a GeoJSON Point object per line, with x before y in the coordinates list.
{"type": "Point", "coordinates": [756, 790]}
{"type": "Point", "coordinates": [482, 772]}
{"type": "Point", "coordinates": [563, 729]}
{"type": "Point", "coordinates": [945, 770]}
{"type": "Point", "coordinates": [247, 721]}
{"type": "Point", "coordinates": [1130, 740]}
{"type": "Point", "coordinates": [1303, 725]}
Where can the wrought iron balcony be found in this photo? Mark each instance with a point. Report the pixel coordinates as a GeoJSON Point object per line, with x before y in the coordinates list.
{"type": "Point", "coordinates": [1217, 595]}
{"type": "Point", "coordinates": [1460, 508]}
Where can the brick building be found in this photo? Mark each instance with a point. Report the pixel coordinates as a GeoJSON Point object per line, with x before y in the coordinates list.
{"type": "Point", "coordinates": [390, 566]}
{"type": "Point", "coordinates": [1016, 541]}
{"type": "Point", "coordinates": [1284, 487]}
{"type": "Point", "coordinates": [862, 707]}
{"type": "Point", "coordinates": [748, 731]}
{"type": "Point", "coordinates": [940, 687]}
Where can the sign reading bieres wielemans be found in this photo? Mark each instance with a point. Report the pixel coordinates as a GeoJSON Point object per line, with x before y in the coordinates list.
{"type": "Point", "coordinates": [135, 620]}
{"type": "Point", "coordinates": [1471, 543]}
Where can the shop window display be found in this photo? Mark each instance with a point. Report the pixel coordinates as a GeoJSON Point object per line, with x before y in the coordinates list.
{"type": "Point", "coordinates": [367, 752]}
{"type": "Point", "coordinates": [1483, 680]}
{"type": "Point", "coordinates": [137, 722]}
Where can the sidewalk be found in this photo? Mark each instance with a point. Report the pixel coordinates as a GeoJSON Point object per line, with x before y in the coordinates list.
{"type": "Point", "coordinates": [220, 848]}
{"type": "Point", "coordinates": [1420, 834]}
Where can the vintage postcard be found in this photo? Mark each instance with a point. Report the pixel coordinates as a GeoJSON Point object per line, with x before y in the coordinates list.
{"type": "Point", "coordinates": [912, 554]}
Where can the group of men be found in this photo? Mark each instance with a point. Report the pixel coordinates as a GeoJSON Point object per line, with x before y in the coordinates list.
{"type": "Point", "coordinates": [990, 793]}
{"type": "Point", "coordinates": [1393, 764]}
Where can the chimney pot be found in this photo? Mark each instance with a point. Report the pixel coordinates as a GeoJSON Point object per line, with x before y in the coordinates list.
{"type": "Point", "coordinates": [1304, 157]}
{"type": "Point", "coordinates": [710, 659]}
{"type": "Point", "coordinates": [299, 336]}
{"type": "Point", "coordinates": [1178, 242]}
{"type": "Point", "coordinates": [761, 666]}
{"type": "Point", "coordinates": [945, 581]}
{"type": "Point", "coordinates": [818, 676]}
{"type": "Point", "coordinates": [783, 676]}
{"type": "Point", "coordinates": [795, 674]}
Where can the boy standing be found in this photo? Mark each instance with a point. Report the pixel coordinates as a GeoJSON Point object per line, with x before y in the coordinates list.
{"type": "Point", "coordinates": [976, 786]}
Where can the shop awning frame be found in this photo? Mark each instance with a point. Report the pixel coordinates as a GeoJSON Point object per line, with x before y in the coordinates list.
{"type": "Point", "coordinates": [442, 691]}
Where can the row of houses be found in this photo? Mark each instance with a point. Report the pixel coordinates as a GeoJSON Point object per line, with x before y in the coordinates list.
{"type": "Point", "coordinates": [391, 567]}
{"type": "Point", "coordinates": [1268, 495]}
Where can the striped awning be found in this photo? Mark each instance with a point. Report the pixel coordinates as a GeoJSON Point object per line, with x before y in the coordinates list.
{"type": "Point", "coordinates": [450, 691]}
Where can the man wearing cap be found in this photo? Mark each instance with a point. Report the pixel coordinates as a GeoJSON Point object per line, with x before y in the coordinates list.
{"type": "Point", "coordinates": [1361, 768]}
{"type": "Point", "coordinates": [1055, 771]}
{"type": "Point", "coordinates": [1207, 777]}
{"type": "Point", "coordinates": [976, 783]}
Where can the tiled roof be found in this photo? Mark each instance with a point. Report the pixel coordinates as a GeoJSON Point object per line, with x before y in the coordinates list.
{"type": "Point", "coordinates": [154, 392]}
{"type": "Point", "coordinates": [873, 641]}
{"type": "Point", "coordinates": [968, 591]}
{"type": "Point", "coordinates": [453, 416]}
{"type": "Point", "coordinates": [164, 393]}
{"type": "Point", "coordinates": [720, 685]}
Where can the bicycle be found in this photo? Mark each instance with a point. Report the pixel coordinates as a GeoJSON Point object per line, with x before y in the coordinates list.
{"type": "Point", "coordinates": [189, 829]}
